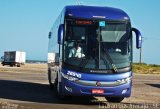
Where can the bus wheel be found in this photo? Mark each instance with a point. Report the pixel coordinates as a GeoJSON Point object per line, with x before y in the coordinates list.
{"type": "Point", "coordinates": [58, 90]}
{"type": "Point", "coordinates": [114, 99]}
{"type": "Point", "coordinates": [51, 82]}
{"type": "Point", "coordinates": [18, 65]}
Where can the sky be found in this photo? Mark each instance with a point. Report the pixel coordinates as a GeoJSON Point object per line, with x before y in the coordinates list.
{"type": "Point", "coordinates": [24, 24]}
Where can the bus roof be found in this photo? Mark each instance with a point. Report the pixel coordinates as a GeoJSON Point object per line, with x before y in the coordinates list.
{"type": "Point", "coordinates": [80, 11]}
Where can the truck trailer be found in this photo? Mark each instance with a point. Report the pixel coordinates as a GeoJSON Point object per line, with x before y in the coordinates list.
{"type": "Point", "coordinates": [14, 58]}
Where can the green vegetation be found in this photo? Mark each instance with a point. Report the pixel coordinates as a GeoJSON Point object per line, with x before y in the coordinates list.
{"type": "Point", "coordinates": [144, 68]}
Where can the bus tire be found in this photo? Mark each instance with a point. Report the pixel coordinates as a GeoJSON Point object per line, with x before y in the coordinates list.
{"type": "Point", "coordinates": [18, 65]}
{"type": "Point", "coordinates": [114, 99]}
{"type": "Point", "coordinates": [58, 89]}
{"type": "Point", "coordinates": [51, 83]}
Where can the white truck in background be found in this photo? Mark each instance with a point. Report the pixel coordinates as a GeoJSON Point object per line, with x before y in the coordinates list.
{"type": "Point", "coordinates": [14, 58]}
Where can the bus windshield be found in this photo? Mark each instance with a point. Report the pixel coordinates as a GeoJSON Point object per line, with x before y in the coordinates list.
{"type": "Point", "coordinates": [90, 46]}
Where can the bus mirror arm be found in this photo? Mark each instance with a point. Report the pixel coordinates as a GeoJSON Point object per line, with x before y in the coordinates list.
{"type": "Point", "coordinates": [138, 38]}
{"type": "Point", "coordinates": [60, 34]}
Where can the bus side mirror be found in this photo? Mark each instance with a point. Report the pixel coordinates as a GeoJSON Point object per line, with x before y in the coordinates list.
{"type": "Point", "coordinates": [138, 38]}
{"type": "Point", "coordinates": [60, 34]}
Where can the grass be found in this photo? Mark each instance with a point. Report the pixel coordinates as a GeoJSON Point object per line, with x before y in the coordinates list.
{"type": "Point", "coordinates": [144, 68]}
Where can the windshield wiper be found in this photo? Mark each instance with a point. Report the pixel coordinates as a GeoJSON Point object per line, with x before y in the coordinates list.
{"type": "Point", "coordinates": [110, 61]}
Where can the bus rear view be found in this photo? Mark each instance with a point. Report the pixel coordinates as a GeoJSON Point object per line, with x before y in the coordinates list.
{"type": "Point", "coordinates": [90, 50]}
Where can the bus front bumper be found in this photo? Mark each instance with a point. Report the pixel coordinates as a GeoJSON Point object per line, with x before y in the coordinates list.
{"type": "Point", "coordinates": [75, 89]}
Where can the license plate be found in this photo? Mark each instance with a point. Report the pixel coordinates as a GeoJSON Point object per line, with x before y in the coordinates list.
{"type": "Point", "coordinates": [97, 91]}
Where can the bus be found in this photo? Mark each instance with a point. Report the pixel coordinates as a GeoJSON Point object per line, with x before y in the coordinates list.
{"type": "Point", "coordinates": [90, 52]}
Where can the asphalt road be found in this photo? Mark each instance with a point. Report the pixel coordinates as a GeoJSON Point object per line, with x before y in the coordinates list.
{"type": "Point", "coordinates": [29, 89]}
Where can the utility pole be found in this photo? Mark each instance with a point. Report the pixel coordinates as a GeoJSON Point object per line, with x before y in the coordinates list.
{"type": "Point", "coordinates": [140, 52]}
{"type": "Point", "coordinates": [140, 55]}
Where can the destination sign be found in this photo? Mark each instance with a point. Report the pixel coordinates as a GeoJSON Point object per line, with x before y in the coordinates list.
{"type": "Point", "coordinates": [83, 22]}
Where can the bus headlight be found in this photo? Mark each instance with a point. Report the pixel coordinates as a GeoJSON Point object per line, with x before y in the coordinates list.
{"type": "Point", "coordinates": [70, 78]}
{"type": "Point", "coordinates": [128, 79]}
{"type": "Point", "coordinates": [125, 80]}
